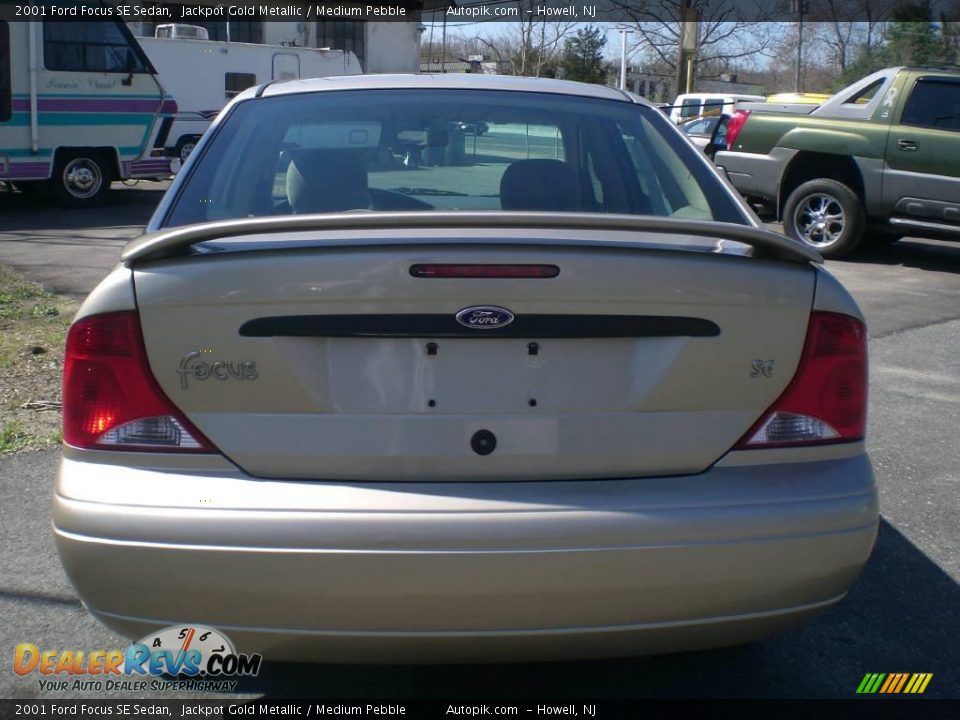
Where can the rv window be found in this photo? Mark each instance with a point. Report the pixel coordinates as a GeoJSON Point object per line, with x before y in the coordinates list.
{"type": "Point", "coordinates": [235, 83]}
{"type": "Point", "coordinates": [6, 99]}
{"type": "Point", "coordinates": [90, 47]}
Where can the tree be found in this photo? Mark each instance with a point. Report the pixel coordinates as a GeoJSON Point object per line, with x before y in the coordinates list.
{"type": "Point", "coordinates": [911, 36]}
{"type": "Point", "coordinates": [583, 56]}
{"type": "Point", "coordinates": [847, 26]}
{"type": "Point", "coordinates": [724, 42]}
{"type": "Point", "coordinates": [950, 30]}
{"type": "Point", "coordinates": [528, 47]}
{"type": "Point", "coordinates": [540, 42]}
{"type": "Point", "coordinates": [910, 39]}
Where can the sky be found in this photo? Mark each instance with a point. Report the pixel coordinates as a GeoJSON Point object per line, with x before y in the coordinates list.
{"type": "Point", "coordinates": [488, 29]}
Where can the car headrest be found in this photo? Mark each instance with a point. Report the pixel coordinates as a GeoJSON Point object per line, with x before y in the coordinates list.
{"type": "Point", "coordinates": [320, 181]}
{"type": "Point", "coordinates": [539, 185]}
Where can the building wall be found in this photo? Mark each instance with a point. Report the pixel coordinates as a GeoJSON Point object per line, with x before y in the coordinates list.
{"type": "Point", "coordinates": [389, 47]}
{"type": "Point", "coordinates": [283, 33]}
{"type": "Point", "coordinates": [393, 47]}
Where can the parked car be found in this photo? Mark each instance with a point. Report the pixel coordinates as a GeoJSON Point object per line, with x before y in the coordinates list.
{"type": "Point", "coordinates": [567, 399]}
{"type": "Point", "coordinates": [708, 132]}
{"type": "Point", "coordinates": [880, 157]}
{"type": "Point", "coordinates": [691, 105]}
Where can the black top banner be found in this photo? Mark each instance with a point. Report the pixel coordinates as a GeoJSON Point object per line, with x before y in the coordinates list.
{"type": "Point", "coordinates": [460, 11]}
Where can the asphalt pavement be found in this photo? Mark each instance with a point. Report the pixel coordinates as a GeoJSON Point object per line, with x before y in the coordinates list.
{"type": "Point", "coordinates": [902, 615]}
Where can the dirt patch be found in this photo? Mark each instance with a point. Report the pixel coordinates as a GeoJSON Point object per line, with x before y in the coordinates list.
{"type": "Point", "coordinates": [33, 328]}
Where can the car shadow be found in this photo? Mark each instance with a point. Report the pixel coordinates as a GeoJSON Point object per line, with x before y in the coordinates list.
{"type": "Point", "coordinates": [902, 615]}
{"type": "Point", "coordinates": [942, 256]}
{"type": "Point", "coordinates": [126, 205]}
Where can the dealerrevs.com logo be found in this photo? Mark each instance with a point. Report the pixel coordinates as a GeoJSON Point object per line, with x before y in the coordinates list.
{"type": "Point", "coordinates": [180, 657]}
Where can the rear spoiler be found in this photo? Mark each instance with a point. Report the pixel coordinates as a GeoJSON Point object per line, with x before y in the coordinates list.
{"type": "Point", "coordinates": [177, 241]}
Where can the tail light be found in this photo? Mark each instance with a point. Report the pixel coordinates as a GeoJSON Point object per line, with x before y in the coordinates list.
{"type": "Point", "coordinates": [826, 402]}
{"type": "Point", "coordinates": [735, 125]}
{"type": "Point", "coordinates": [111, 400]}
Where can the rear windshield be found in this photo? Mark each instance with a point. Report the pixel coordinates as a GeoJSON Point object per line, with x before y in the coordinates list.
{"type": "Point", "coordinates": [449, 150]}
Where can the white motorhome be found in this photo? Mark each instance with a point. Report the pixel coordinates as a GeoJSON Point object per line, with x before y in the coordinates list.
{"type": "Point", "coordinates": [693, 105]}
{"type": "Point", "coordinates": [204, 75]}
{"type": "Point", "coordinates": [80, 106]}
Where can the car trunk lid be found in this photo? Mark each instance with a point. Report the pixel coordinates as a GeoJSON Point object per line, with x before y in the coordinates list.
{"type": "Point", "coordinates": [337, 362]}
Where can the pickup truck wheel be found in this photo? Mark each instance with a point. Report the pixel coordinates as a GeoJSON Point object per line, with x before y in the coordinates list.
{"type": "Point", "coordinates": [826, 215]}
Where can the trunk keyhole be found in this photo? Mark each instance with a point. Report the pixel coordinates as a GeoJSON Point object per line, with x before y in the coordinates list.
{"type": "Point", "coordinates": [483, 442]}
{"type": "Point", "coordinates": [533, 349]}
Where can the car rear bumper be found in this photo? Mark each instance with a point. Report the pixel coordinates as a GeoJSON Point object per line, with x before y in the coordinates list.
{"type": "Point", "coordinates": [755, 174]}
{"type": "Point", "coordinates": [466, 571]}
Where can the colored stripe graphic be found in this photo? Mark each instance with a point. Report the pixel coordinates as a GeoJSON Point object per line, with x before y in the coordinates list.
{"type": "Point", "coordinates": [900, 684]}
{"type": "Point", "coordinates": [27, 171]}
{"type": "Point", "coordinates": [22, 119]}
{"type": "Point", "coordinates": [918, 683]}
{"type": "Point", "coordinates": [93, 105]}
{"type": "Point", "coordinates": [894, 683]}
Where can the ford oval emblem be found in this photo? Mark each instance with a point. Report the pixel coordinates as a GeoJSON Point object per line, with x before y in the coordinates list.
{"type": "Point", "coordinates": [484, 317]}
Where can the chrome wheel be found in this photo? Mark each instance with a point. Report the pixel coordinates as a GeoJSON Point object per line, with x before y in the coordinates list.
{"type": "Point", "coordinates": [819, 220]}
{"type": "Point", "coordinates": [82, 178]}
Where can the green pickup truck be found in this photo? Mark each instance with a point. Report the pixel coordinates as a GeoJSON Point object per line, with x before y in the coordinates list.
{"type": "Point", "coordinates": [880, 159]}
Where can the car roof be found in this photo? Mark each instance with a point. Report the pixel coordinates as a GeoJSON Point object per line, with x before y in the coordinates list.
{"type": "Point", "coordinates": [456, 81]}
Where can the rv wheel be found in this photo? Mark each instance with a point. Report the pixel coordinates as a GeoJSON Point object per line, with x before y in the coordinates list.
{"type": "Point", "coordinates": [81, 178]}
{"type": "Point", "coordinates": [185, 147]}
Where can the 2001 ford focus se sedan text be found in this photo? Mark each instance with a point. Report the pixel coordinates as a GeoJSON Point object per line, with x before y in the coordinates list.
{"type": "Point", "coordinates": [378, 387]}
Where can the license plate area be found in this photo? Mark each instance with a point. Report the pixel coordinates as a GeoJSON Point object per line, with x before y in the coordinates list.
{"type": "Point", "coordinates": [493, 375]}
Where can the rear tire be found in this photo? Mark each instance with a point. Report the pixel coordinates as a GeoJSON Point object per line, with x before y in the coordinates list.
{"type": "Point", "coordinates": [825, 215]}
{"type": "Point", "coordinates": [81, 178]}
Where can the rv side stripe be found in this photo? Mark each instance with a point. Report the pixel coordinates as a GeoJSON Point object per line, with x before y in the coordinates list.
{"type": "Point", "coordinates": [92, 95]}
{"type": "Point", "coordinates": [74, 118]}
{"type": "Point", "coordinates": [13, 153]}
{"type": "Point", "coordinates": [96, 105]}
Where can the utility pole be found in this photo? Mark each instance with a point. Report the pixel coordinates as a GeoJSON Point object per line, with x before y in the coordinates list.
{"type": "Point", "coordinates": [623, 59]}
{"type": "Point", "coordinates": [798, 9]}
{"type": "Point", "coordinates": [689, 23]}
{"type": "Point", "coordinates": [444, 43]}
